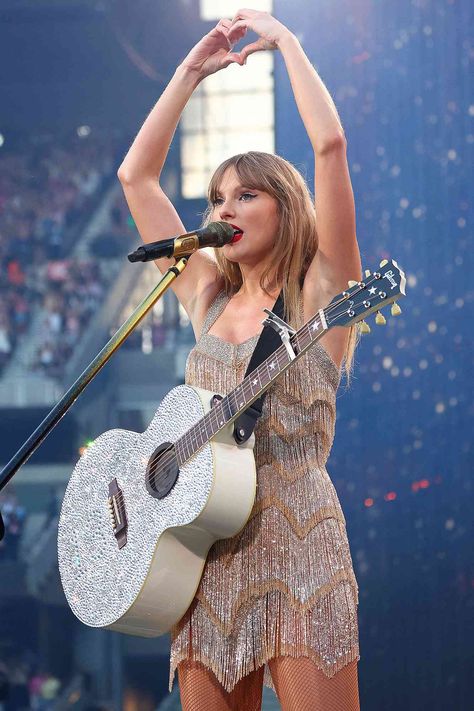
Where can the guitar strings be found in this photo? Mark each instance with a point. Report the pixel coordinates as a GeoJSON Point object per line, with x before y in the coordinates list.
{"type": "Point", "coordinates": [280, 356]}
{"type": "Point", "coordinates": [187, 439]}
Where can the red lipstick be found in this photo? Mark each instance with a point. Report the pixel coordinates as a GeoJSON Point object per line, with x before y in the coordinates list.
{"type": "Point", "coordinates": [237, 233]}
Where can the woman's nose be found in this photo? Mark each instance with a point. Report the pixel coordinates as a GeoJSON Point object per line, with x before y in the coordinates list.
{"type": "Point", "coordinates": [226, 209]}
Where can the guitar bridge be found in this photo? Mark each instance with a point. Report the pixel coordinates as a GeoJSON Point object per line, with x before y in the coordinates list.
{"type": "Point", "coordinates": [118, 515]}
{"type": "Point", "coordinates": [284, 330]}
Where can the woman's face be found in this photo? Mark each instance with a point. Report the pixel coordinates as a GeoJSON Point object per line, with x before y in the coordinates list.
{"type": "Point", "coordinates": [254, 212]}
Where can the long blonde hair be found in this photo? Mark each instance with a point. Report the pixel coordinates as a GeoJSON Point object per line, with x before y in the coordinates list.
{"type": "Point", "coordinates": [296, 242]}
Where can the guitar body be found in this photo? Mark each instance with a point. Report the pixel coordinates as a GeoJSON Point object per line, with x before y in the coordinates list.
{"type": "Point", "coordinates": [143, 581]}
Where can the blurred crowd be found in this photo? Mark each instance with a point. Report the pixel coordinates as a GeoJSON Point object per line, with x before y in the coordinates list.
{"type": "Point", "coordinates": [73, 292]}
{"type": "Point", "coordinates": [26, 688]}
{"type": "Point", "coordinates": [13, 514]}
{"type": "Point", "coordinates": [16, 517]}
{"type": "Point", "coordinates": [48, 189]}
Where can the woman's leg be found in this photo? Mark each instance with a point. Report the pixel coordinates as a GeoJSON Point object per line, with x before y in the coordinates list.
{"type": "Point", "coordinates": [200, 690]}
{"type": "Point", "coordinates": [301, 686]}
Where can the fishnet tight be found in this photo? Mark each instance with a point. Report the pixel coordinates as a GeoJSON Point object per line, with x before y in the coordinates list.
{"type": "Point", "coordinates": [299, 684]}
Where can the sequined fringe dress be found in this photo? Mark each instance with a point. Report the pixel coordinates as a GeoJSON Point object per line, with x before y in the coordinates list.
{"type": "Point", "coordinates": [285, 584]}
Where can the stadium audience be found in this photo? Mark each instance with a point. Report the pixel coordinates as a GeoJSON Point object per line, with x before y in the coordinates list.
{"type": "Point", "coordinates": [13, 514]}
{"type": "Point", "coordinates": [26, 687]}
{"type": "Point", "coordinates": [48, 188]}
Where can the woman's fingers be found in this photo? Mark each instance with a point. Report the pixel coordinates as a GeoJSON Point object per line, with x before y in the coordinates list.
{"type": "Point", "coordinates": [221, 33]}
{"type": "Point", "coordinates": [232, 34]}
{"type": "Point", "coordinates": [237, 31]}
{"type": "Point", "coordinates": [214, 52]}
{"type": "Point", "coordinates": [262, 23]}
{"type": "Point", "coordinates": [224, 25]}
{"type": "Point", "coordinates": [244, 13]}
{"type": "Point", "coordinates": [234, 58]}
{"type": "Point", "coordinates": [241, 26]}
{"type": "Point", "coordinates": [257, 46]}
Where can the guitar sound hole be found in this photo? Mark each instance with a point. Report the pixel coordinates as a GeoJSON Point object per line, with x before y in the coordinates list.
{"type": "Point", "coordinates": [162, 471]}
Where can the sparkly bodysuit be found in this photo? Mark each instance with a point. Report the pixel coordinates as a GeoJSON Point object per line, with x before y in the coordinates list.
{"type": "Point", "coordinates": [285, 584]}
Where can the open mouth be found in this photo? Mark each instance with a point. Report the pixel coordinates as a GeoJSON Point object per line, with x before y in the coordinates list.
{"type": "Point", "coordinates": [237, 233]}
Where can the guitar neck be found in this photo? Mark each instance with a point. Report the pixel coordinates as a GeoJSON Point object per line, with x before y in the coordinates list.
{"type": "Point", "coordinates": [254, 384]}
{"type": "Point", "coordinates": [350, 306]}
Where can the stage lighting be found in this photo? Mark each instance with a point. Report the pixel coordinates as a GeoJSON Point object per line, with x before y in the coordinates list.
{"type": "Point", "coordinates": [83, 131]}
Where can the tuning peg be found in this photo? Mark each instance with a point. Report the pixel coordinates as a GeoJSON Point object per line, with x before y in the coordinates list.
{"type": "Point", "coordinates": [380, 319]}
{"type": "Point", "coordinates": [383, 262]}
{"type": "Point", "coordinates": [364, 327]}
{"type": "Point", "coordinates": [367, 273]}
{"type": "Point", "coordinates": [395, 310]}
{"type": "Point", "coordinates": [351, 282]}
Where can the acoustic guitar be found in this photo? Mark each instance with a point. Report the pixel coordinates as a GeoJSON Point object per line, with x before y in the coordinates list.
{"type": "Point", "coordinates": [142, 509]}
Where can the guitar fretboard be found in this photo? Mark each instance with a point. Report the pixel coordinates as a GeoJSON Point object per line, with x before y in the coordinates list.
{"type": "Point", "coordinates": [232, 405]}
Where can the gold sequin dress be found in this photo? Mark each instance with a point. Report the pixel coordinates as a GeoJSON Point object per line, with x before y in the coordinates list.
{"type": "Point", "coordinates": [285, 584]}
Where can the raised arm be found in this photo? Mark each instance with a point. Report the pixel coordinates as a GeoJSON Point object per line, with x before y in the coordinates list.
{"type": "Point", "coordinates": [140, 171]}
{"type": "Point", "coordinates": [338, 258]}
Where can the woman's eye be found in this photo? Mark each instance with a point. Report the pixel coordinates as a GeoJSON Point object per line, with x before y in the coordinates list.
{"type": "Point", "coordinates": [219, 200]}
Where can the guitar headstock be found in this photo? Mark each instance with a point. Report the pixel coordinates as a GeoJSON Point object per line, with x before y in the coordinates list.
{"type": "Point", "coordinates": [376, 290]}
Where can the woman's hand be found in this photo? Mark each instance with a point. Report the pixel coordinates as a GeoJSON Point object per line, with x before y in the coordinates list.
{"type": "Point", "coordinates": [214, 51]}
{"type": "Point", "coordinates": [262, 23]}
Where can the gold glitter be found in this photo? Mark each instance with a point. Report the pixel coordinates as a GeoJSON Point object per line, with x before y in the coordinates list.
{"type": "Point", "coordinates": [285, 584]}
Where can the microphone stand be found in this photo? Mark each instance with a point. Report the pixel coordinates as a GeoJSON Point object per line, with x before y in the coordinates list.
{"type": "Point", "coordinates": [60, 409]}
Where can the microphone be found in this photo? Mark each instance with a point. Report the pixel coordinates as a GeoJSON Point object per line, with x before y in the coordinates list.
{"type": "Point", "coordinates": [216, 234]}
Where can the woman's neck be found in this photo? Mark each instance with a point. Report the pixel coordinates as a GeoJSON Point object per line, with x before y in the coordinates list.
{"type": "Point", "coordinates": [252, 289]}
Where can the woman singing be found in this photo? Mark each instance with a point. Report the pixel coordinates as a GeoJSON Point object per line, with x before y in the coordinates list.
{"type": "Point", "coordinates": [278, 602]}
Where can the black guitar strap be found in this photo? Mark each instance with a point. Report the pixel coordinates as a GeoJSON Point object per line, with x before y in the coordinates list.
{"type": "Point", "coordinates": [268, 342]}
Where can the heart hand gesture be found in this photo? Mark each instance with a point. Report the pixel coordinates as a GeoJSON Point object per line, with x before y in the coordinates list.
{"type": "Point", "coordinates": [262, 23]}
{"type": "Point", "coordinates": [214, 51]}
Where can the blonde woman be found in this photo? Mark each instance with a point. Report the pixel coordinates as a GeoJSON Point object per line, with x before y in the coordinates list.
{"type": "Point", "coordinates": [278, 602]}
